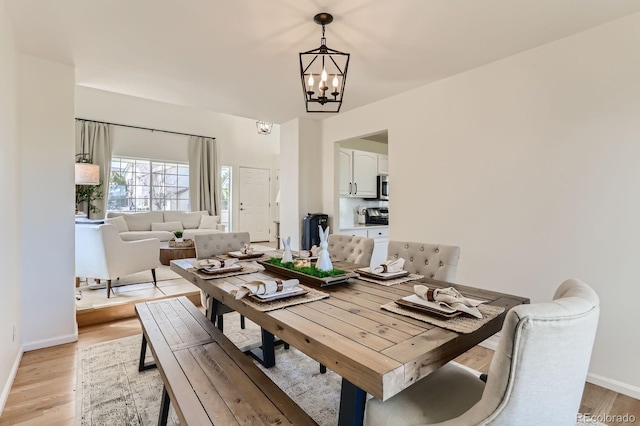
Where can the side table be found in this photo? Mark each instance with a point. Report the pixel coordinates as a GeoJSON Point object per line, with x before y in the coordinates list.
{"type": "Point", "coordinates": [167, 254]}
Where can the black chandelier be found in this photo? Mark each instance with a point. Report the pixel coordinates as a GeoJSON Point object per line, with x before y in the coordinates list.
{"type": "Point", "coordinates": [320, 68]}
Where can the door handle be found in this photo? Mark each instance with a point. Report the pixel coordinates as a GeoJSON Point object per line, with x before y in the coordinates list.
{"type": "Point", "coordinates": [356, 186]}
{"type": "Point", "coordinates": [241, 209]}
{"type": "Point", "coordinates": [349, 187]}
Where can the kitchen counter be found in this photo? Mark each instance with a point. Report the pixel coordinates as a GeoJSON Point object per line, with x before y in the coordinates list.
{"type": "Point", "coordinates": [362, 226]}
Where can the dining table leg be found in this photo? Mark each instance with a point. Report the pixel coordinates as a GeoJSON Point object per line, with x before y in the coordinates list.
{"type": "Point", "coordinates": [265, 355]}
{"type": "Point", "coordinates": [352, 403]}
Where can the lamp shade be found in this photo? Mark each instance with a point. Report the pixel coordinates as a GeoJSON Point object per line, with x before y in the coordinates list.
{"type": "Point", "coordinates": [87, 174]}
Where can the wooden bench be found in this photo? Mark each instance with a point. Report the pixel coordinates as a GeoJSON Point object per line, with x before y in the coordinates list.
{"type": "Point", "coordinates": [206, 377]}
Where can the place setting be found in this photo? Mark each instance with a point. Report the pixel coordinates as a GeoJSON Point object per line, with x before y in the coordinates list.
{"type": "Point", "coordinates": [230, 265]}
{"type": "Point", "coordinates": [269, 295]}
{"type": "Point", "coordinates": [444, 307]}
{"type": "Point", "coordinates": [388, 273]}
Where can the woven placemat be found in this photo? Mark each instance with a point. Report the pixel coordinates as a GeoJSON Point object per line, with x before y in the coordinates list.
{"type": "Point", "coordinates": [460, 324]}
{"type": "Point", "coordinates": [407, 278]}
{"type": "Point", "coordinates": [247, 268]}
{"type": "Point", "coordinates": [311, 296]}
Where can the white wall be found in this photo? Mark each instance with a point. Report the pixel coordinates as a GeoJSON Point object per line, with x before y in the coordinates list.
{"type": "Point", "coordinates": [530, 165]}
{"type": "Point", "coordinates": [46, 133]}
{"type": "Point", "coordinates": [10, 254]}
{"type": "Point", "coordinates": [300, 175]}
{"type": "Point", "coordinates": [239, 142]}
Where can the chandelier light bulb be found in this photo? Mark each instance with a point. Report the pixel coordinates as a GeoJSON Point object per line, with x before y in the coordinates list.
{"type": "Point", "coordinates": [324, 75]}
{"type": "Point", "coordinates": [310, 81]}
{"type": "Point", "coordinates": [335, 82]}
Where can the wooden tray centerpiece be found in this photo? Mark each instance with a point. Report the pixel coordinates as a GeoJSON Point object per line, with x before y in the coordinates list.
{"type": "Point", "coordinates": [307, 274]}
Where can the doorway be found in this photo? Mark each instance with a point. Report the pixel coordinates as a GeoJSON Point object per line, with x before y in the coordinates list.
{"type": "Point", "coordinates": [254, 206]}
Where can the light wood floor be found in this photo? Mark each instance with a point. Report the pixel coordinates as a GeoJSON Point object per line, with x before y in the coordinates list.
{"type": "Point", "coordinates": [44, 390]}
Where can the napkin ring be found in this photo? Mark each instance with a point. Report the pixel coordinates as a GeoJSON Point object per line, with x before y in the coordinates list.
{"type": "Point", "coordinates": [280, 286]}
{"type": "Point", "coordinates": [430, 297]}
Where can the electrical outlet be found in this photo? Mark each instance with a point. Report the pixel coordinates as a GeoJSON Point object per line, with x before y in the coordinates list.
{"type": "Point", "coordinates": [15, 327]}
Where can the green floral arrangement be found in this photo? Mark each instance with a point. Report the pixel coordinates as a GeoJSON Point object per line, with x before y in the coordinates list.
{"type": "Point", "coordinates": [309, 270]}
{"type": "Point", "coordinates": [178, 234]}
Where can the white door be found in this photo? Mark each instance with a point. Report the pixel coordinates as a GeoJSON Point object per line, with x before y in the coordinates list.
{"type": "Point", "coordinates": [254, 209]}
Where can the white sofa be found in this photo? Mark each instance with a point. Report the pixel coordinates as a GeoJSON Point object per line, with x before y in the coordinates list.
{"type": "Point", "coordinates": [161, 224]}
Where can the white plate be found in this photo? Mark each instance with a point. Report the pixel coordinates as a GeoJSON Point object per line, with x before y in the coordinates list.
{"type": "Point", "coordinates": [384, 274]}
{"type": "Point", "coordinates": [414, 298]}
{"type": "Point", "coordinates": [284, 292]}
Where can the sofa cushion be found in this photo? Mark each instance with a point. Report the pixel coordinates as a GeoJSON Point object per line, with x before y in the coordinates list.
{"type": "Point", "coordinates": [143, 235]}
{"type": "Point", "coordinates": [142, 221]}
{"type": "Point", "coordinates": [119, 222]}
{"type": "Point", "coordinates": [209, 222]}
{"type": "Point", "coordinates": [189, 220]}
{"type": "Point", "coordinates": [167, 226]}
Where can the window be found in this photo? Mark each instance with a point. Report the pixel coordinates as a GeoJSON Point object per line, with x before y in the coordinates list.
{"type": "Point", "coordinates": [225, 197]}
{"type": "Point", "coordinates": [146, 185]}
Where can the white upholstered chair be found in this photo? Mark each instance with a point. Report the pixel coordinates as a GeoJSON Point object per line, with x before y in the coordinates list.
{"type": "Point", "coordinates": [436, 261]}
{"type": "Point", "coordinates": [102, 255]}
{"type": "Point", "coordinates": [536, 377]}
{"type": "Point", "coordinates": [352, 249]}
{"type": "Point", "coordinates": [211, 245]}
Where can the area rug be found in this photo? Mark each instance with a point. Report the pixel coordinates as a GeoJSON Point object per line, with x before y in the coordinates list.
{"type": "Point", "coordinates": [163, 273]}
{"type": "Point", "coordinates": [110, 390]}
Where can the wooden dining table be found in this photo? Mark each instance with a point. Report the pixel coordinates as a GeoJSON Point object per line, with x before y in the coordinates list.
{"type": "Point", "coordinates": [373, 350]}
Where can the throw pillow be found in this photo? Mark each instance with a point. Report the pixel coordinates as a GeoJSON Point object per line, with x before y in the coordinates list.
{"type": "Point", "coordinates": [119, 222]}
{"type": "Point", "coordinates": [209, 222]}
{"type": "Point", "coordinates": [167, 226]}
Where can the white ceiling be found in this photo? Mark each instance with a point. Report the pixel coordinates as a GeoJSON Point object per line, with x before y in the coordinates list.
{"type": "Point", "coordinates": [240, 57]}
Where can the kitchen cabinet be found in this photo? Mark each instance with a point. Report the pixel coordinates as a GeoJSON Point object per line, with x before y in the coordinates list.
{"type": "Point", "coordinates": [383, 164]}
{"type": "Point", "coordinates": [380, 244]}
{"type": "Point", "coordinates": [380, 235]}
{"type": "Point", "coordinates": [358, 171]}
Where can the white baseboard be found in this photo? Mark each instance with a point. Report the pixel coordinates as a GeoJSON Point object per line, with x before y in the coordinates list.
{"type": "Point", "coordinates": [605, 382]}
{"type": "Point", "coordinates": [614, 385]}
{"type": "Point", "coordinates": [10, 379]}
{"type": "Point", "coordinates": [59, 340]}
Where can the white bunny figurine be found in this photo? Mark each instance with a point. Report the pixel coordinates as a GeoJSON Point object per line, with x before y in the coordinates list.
{"type": "Point", "coordinates": [287, 256]}
{"type": "Point", "coordinates": [324, 260]}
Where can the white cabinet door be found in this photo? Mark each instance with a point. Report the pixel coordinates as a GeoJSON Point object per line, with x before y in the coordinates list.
{"type": "Point", "coordinates": [383, 164]}
{"type": "Point", "coordinates": [345, 170]}
{"type": "Point", "coordinates": [365, 170]}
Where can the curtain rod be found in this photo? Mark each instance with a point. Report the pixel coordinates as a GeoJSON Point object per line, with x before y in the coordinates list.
{"type": "Point", "coordinates": [145, 128]}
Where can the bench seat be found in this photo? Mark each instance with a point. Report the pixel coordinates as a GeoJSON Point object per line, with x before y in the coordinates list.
{"type": "Point", "coordinates": [206, 377]}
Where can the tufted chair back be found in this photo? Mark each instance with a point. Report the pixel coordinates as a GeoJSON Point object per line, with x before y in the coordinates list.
{"type": "Point", "coordinates": [435, 261]}
{"type": "Point", "coordinates": [210, 245]}
{"type": "Point", "coordinates": [352, 249]}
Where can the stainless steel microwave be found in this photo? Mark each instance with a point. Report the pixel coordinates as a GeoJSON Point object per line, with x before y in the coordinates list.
{"type": "Point", "coordinates": [383, 187]}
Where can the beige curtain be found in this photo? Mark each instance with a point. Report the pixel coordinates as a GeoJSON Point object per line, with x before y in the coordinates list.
{"type": "Point", "coordinates": [204, 175]}
{"type": "Point", "coordinates": [95, 140]}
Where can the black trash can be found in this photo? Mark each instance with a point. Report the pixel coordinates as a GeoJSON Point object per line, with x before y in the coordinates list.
{"type": "Point", "coordinates": [310, 233]}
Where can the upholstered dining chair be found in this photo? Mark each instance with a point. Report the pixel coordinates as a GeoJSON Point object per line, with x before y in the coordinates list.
{"type": "Point", "coordinates": [349, 248]}
{"type": "Point", "coordinates": [536, 377]}
{"type": "Point", "coordinates": [102, 255]}
{"type": "Point", "coordinates": [437, 261]}
{"type": "Point", "coordinates": [210, 245]}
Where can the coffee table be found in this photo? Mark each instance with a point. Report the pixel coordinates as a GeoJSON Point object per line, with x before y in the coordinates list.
{"type": "Point", "coordinates": [167, 254]}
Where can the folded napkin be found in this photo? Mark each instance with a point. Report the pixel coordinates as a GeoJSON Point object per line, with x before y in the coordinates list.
{"type": "Point", "coordinates": [211, 264]}
{"type": "Point", "coordinates": [265, 287]}
{"type": "Point", "coordinates": [313, 252]}
{"type": "Point", "coordinates": [246, 249]}
{"type": "Point", "coordinates": [449, 297]}
{"type": "Point", "coordinates": [389, 266]}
